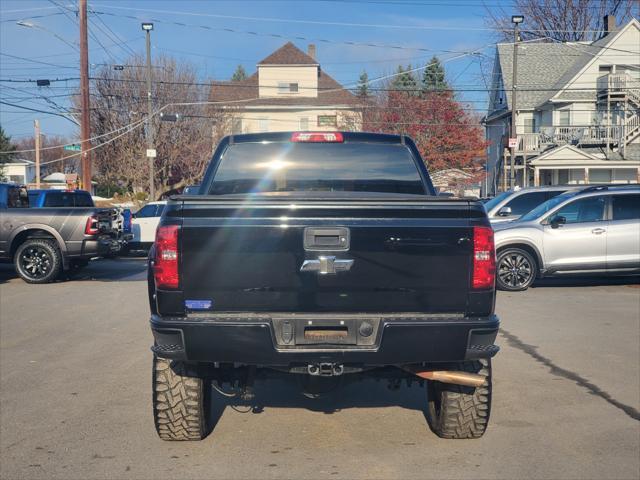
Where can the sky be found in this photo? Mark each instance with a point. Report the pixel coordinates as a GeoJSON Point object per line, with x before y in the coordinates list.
{"type": "Point", "coordinates": [219, 35]}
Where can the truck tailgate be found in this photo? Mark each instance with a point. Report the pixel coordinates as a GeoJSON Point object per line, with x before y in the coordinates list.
{"type": "Point", "coordinates": [412, 256]}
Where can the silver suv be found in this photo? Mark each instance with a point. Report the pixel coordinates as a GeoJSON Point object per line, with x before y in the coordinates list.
{"type": "Point", "coordinates": [512, 204]}
{"type": "Point", "coordinates": [594, 230]}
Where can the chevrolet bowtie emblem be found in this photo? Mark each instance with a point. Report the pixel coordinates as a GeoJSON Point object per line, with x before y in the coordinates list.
{"type": "Point", "coordinates": [326, 265]}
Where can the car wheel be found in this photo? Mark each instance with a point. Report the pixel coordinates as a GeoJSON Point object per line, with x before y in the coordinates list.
{"type": "Point", "coordinates": [516, 270]}
{"type": "Point", "coordinates": [457, 411]}
{"type": "Point", "coordinates": [179, 400]}
{"type": "Point", "coordinates": [38, 261]}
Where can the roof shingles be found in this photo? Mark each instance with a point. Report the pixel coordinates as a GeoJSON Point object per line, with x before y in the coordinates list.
{"type": "Point", "coordinates": [246, 92]}
{"type": "Point", "coordinates": [540, 68]}
{"type": "Point", "coordinates": [288, 54]}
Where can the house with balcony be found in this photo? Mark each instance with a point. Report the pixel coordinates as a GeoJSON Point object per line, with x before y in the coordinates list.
{"type": "Point", "coordinates": [288, 92]}
{"type": "Point", "coordinates": [577, 111]}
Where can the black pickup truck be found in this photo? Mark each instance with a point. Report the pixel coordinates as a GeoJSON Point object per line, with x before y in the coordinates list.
{"type": "Point", "coordinates": [322, 255]}
{"type": "Point", "coordinates": [44, 242]}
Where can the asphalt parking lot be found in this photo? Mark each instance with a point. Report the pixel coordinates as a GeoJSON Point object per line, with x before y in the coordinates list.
{"type": "Point", "coordinates": [75, 378]}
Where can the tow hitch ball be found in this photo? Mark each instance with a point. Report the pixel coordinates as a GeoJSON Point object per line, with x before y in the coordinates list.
{"type": "Point", "coordinates": [325, 369]}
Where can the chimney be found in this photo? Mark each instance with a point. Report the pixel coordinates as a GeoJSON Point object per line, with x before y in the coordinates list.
{"type": "Point", "coordinates": [609, 24]}
{"type": "Point", "coordinates": [311, 50]}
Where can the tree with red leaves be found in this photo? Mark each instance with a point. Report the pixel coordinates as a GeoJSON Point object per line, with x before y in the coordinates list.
{"type": "Point", "coordinates": [445, 134]}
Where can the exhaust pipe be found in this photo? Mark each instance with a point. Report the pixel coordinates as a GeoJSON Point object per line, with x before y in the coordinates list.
{"type": "Point", "coordinates": [444, 376]}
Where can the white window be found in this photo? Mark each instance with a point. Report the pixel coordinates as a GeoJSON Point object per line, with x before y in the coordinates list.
{"type": "Point", "coordinates": [576, 176]}
{"type": "Point", "coordinates": [625, 175]}
{"type": "Point", "coordinates": [600, 175]}
{"type": "Point", "coordinates": [529, 125]}
{"type": "Point", "coordinates": [563, 177]}
{"type": "Point", "coordinates": [564, 117]}
{"type": "Point", "coordinates": [304, 123]}
{"type": "Point", "coordinates": [327, 121]}
{"type": "Point", "coordinates": [287, 87]}
{"type": "Point", "coordinates": [263, 124]}
{"type": "Point", "coordinates": [16, 178]}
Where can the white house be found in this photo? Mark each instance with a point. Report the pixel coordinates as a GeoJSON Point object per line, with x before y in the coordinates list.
{"type": "Point", "coordinates": [578, 111]}
{"type": "Point", "coordinates": [19, 170]}
{"type": "Point", "coordinates": [289, 91]}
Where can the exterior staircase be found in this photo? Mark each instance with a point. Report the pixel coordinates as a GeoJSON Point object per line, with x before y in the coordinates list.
{"type": "Point", "coordinates": [621, 88]}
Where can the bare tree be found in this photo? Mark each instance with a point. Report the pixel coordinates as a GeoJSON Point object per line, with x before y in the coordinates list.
{"type": "Point", "coordinates": [183, 146]}
{"type": "Point", "coordinates": [562, 20]}
{"type": "Point", "coordinates": [48, 154]}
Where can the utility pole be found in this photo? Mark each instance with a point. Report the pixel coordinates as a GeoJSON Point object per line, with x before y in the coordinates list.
{"type": "Point", "coordinates": [147, 27]}
{"type": "Point", "coordinates": [85, 127]}
{"type": "Point", "coordinates": [516, 20]}
{"type": "Point", "coordinates": [36, 133]}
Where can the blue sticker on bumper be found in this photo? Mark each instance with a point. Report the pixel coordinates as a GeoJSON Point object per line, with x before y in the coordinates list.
{"type": "Point", "coordinates": [198, 304]}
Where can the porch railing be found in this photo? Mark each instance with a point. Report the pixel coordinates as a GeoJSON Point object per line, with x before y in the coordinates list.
{"type": "Point", "coordinates": [614, 82]}
{"type": "Point", "coordinates": [587, 135]}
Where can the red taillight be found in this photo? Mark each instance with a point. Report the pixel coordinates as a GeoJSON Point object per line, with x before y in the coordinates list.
{"type": "Point", "coordinates": [91, 227]}
{"type": "Point", "coordinates": [484, 258]}
{"type": "Point", "coordinates": [317, 137]}
{"type": "Point", "coordinates": [165, 268]}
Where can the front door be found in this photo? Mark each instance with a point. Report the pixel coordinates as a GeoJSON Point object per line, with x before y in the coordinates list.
{"type": "Point", "coordinates": [623, 232]}
{"type": "Point", "coordinates": [580, 244]}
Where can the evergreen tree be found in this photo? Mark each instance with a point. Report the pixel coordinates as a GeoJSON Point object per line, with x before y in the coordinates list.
{"type": "Point", "coordinates": [433, 76]}
{"type": "Point", "coordinates": [404, 80]}
{"type": "Point", "coordinates": [5, 146]}
{"type": "Point", "coordinates": [239, 75]}
{"type": "Point", "coordinates": [363, 85]}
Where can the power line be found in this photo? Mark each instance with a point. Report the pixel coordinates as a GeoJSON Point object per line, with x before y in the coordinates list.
{"type": "Point", "coordinates": [318, 22]}
{"type": "Point", "coordinates": [28, 9]}
{"type": "Point", "coordinates": [119, 42]}
{"type": "Point", "coordinates": [30, 17]}
{"type": "Point", "coordinates": [34, 110]}
{"type": "Point", "coordinates": [236, 59]}
{"type": "Point", "coordinates": [277, 35]}
{"type": "Point", "coordinates": [76, 24]}
{"type": "Point", "coordinates": [35, 61]}
{"type": "Point", "coordinates": [46, 98]}
{"type": "Point", "coordinates": [319, 89]}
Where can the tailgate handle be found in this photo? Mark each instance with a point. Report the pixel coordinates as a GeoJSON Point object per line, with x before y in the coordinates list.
{"type": "Point", "coordinates": [326, 239]}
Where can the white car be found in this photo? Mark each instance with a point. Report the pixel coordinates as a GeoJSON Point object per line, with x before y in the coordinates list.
{"type": "Point", "coordinates": [592, 231]}
{"type": "Point", "coordinates": [144, 224]}
{"type": "Point", "coordinates": [512, 204]}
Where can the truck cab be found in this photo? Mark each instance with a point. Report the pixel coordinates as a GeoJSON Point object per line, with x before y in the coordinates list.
{"type": "Point", "coordinates": [59, 198]}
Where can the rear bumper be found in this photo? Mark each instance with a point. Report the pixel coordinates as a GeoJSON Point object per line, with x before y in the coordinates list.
{"type": "Point", "coordinates": [89, 248]}
{"type": "Point", "coordinates": [260, 340]}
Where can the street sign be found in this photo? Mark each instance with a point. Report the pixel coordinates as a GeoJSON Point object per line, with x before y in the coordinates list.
{"type": "Point", "coordinates": [513, 142]}
{"type": "Point", "coordinates": [151, 153]}
{"type": "Point", "coordinates": [74, 147]}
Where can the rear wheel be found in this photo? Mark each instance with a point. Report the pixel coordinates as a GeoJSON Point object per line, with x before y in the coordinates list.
{"type": "Point", "coordinates": [179, 407]}
{"type": "Point", "coordinates": [38, 261]}
{"type": "Point", "coordinates": [456, 411]}
{"type": "Point", "coordinates": [516, 269]}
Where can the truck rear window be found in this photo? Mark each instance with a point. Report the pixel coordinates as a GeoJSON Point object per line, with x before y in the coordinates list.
{"type": "Point", "coordinates": [67, 199]}
{"type": "Point", "coordinates": [339, 167]}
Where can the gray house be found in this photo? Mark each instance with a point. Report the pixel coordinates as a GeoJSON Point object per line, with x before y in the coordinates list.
{"type": "Point", "coordinates": [578, 111]}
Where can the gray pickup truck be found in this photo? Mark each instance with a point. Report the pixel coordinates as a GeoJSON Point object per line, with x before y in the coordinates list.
{"type": "Point", "coordinates": [44, 242]}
